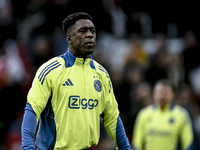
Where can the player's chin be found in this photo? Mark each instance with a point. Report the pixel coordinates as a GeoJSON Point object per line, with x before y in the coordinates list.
{"type": "Point", "coordinates": [89, 50]}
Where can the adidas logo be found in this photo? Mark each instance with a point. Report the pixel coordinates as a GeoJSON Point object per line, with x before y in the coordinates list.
{"type": "Point", "coordinates": [68, 83]}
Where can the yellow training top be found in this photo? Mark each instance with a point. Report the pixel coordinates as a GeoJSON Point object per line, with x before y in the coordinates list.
{"type": "Point", "coordinates": [167, 129]}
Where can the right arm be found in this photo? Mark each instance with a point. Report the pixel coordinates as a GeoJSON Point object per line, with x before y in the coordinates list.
{"type": "Point", "coordinates": [37, 99]}
{"type": "Point", "coordinates": [138, 132]}
{"type": "Point", "coordinates": [28, 128]}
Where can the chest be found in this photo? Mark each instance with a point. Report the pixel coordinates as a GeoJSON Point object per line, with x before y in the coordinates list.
{"type": "Point", "coordinates": [78, 87]}
{"type": "Point", "coordinates": [162, 125]}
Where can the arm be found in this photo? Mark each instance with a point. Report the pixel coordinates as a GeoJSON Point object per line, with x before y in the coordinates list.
{"type": "Point", "coordinates": [138, 132]}
{"type": "Point", "coordinates": [112, 120]}
{"type": "Point", "coordinates": [28, 128]}
{"type": "Point", "coordinates": [117, 132]}
{"type": "Point", "coordinates": [122, 140]}
{"type": "Point", "coordinates": [37, 100]}
{"type": "Point", "coordinates": [186, 135]}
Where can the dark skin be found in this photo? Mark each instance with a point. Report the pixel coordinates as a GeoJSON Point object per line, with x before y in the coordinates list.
{"type": "Point", "coordinates": [81, 38]}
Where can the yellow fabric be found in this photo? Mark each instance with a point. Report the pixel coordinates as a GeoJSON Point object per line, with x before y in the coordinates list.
{"type": "Point", "coordinates": [79, 95]}
{"type": "Point", "coordinates": [157, 129]}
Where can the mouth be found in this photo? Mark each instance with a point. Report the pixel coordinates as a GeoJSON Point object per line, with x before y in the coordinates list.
{"type": "Point", "coordinates": [89, 43]}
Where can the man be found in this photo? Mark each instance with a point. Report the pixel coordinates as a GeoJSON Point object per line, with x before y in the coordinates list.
{"type": "Point", "coordinates": [163, 126]}
{"type": "Point", "coordinates": [69, 94]}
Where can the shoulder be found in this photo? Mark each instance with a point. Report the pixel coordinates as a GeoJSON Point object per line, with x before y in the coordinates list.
{"type": "Point", "coordinates": [51, 64]}
{"type": "Point", "coordinates": [144, 114]}
{"type": "Point", "coordinates": [180, 109]}
{"type": "Point", "coordinates": [48, 67]}
{"type": "Point", "coordinates": [182, 112]}
{"type": "Point", "coordinates": [146, 111]}
{"type": "Point", "coordinates": [101, 71]}
{"type": "Point", "coordinates": [100, 68]}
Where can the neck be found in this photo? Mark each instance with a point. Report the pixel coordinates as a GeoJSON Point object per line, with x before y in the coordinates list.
{"type": "Point", "coordinates": [163, 106]}
{"type": "Point", "coordinates": [77, 54]}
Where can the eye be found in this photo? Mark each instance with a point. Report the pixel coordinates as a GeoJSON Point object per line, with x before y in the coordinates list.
{"type": "Point", "coordinates": [92, 31]}
{"type": "Point", "coordinates": [83, 30]}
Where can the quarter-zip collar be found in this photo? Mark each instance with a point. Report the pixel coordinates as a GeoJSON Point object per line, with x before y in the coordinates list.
{"type": "Point", "coordinates": [168, 107]}
{"type": "Point", "coordinates": [70, 60]}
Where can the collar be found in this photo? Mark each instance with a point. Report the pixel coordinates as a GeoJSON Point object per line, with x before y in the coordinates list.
{"type": "Point", "coordinates": [70, 60]}
{"type": "Point", "coordinates": [168, 107]}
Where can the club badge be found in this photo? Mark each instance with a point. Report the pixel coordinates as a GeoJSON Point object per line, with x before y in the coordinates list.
{"type": "Point", "coordinates": [98, 85]}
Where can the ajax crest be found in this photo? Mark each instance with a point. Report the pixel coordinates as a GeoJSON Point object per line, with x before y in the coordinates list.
{"type": "Point", "coordinates": [98, 85]}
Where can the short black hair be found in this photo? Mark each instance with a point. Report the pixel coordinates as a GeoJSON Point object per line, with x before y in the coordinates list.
{"type": "Point", "coordinates": [72, 18]}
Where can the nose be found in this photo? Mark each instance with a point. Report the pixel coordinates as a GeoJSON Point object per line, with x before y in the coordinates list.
{"type": "Point", "coordinates": [89, 34]}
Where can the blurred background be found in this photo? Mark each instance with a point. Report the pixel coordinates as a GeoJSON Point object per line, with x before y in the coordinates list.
{"type": "Point", "coordinates": [138, 42]}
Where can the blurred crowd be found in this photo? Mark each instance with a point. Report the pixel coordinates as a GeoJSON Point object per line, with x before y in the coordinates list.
{"type": "Point", "coordinates": [134, 53]}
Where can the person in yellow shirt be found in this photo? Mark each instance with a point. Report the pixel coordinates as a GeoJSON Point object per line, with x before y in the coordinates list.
{"type": "Point", "coordinates": [163, 125]}
{"type": "Point", "coordinates": [69, 96]}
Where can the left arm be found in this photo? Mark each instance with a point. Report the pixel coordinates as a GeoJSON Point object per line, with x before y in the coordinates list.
{"type": "Point", "coordinates": [186, 135]}
{"type": "Point", "coordinates": [116, 130]}
{"type": "Point", "coordinates": [122, 140]}
{"type": "Point", "coordinates": [112, 120]}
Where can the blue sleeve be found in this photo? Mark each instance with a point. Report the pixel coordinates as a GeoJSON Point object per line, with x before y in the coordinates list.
{"type": "Point", "coordinates": [122, 140]}
{"type": "Point", "coordinates": [191, 147]}
{"type": "Point", "coordinates": [28, 128]}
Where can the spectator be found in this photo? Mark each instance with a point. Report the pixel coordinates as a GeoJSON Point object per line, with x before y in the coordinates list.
{"type": "Point", "coordinates": [175, 70]}
{"type": "Point", "coordinates": [42, 50]}
{"type": "Point", "coordinates": [137, 54]}
{"type": "Point", "coordinates": [12, 75]}
{"type": "Point", "coordinates": [190, 54]}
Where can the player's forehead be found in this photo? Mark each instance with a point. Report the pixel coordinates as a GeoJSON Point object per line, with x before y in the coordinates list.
{"type": "Point", "coordinates": [162, 87]}
{"type": "Point", "coordinates": [84, 23]}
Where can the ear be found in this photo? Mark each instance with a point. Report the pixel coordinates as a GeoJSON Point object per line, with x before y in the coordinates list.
{"type": "Point", "coordinates": [69, 39]}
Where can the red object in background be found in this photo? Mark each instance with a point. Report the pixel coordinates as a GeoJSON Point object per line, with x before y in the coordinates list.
{"type": "Point", "coordinates": [13, 136]}
{"type": "Point", "coordinates": [3, 71]}
{"type": "Point", "coordinates": [13, 141]}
